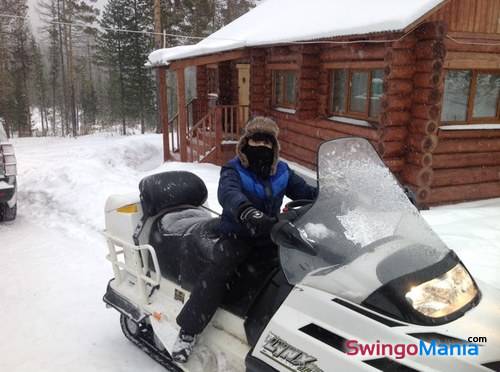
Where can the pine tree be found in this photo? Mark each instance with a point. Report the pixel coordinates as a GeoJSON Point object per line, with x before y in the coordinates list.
{"type": "Point", "coordinates": [113, 51]}
{"type": "Point", "coordinates": [39, 84]}
{"type": "Point", "coordinates": [125, 54]}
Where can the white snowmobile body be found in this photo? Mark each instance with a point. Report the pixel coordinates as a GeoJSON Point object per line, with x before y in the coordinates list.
{"type": "Point", "coordinates": [362, 283]}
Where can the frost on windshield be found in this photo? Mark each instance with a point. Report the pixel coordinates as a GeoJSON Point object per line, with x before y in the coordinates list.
{"type": "Point", "coordinates": [371, 205]}
{"type": "Point", "coordinates": [363, 227]}
{"type": "Point", "coordinates": [316, 231]}
{"type": "Point", "coordinates": [360, 217]}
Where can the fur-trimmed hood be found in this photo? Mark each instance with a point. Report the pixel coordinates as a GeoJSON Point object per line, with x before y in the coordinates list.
{"type": "Point", "coordinates": [263, 125]}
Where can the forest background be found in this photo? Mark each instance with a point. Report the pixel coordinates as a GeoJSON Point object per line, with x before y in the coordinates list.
{"type": "Point", "coordinates": [80, 67]}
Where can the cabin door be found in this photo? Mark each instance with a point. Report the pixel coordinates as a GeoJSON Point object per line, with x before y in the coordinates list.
{"type": "Point", "coordinates": [243, 93]}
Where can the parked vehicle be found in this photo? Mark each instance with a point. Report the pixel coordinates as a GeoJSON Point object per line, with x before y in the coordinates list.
{"type": "Point", "coordinates": [8, 182]}
{"type": "Point", "coordinates": [362, 283]}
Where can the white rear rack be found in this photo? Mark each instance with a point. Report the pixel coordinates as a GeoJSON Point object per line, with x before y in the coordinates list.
{"type": "Point", "coordinates": [133, 259]}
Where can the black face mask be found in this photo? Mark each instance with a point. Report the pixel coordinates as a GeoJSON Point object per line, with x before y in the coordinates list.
{"type": "Point", "coordinates": [260, 160]}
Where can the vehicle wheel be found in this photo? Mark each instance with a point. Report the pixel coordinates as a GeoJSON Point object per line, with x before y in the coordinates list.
{"type": "Point", "coordinates": [7, 213]}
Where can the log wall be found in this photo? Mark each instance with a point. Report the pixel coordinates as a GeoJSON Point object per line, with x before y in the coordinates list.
{"type": "Point", "coordinates": [302, 132]}
{"type": "Point", "coordinates": [428, 85]}
{"type": "Point", "coordinates": [441, 166]}
{"type": "Point", "coordinates": [466, 163]}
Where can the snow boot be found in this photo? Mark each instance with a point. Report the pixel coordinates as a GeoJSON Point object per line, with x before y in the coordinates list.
{"type": "Point", "coordinates": [183, 347]}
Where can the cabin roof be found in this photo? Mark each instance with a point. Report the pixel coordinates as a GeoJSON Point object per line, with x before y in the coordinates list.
{"type": "Point", "coordinates": [286, 21]}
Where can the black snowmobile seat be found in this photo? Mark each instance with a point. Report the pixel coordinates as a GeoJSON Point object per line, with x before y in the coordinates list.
{"type": "Point", "coordinates": [195, 225]}
{"type": "Point", "coordinates": [170, 189]}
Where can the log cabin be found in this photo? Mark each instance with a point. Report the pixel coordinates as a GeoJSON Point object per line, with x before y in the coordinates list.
{"type": "Point", "coordinates": [420, 80]}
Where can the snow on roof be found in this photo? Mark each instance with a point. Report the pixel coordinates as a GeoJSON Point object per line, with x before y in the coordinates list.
{"type": "Point", "coordinates": [284, 21]}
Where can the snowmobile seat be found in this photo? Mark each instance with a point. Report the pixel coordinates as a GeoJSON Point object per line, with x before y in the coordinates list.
{"type": "Point", "coordinates": [184, 242]}
{"type": "Point", "coordinates": [183, 235]}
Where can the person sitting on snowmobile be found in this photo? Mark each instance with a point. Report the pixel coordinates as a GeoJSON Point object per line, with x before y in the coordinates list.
{"type": "Point", "coordinates": [251, 190]}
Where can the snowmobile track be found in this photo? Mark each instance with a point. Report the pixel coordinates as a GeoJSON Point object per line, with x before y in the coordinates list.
{"type": "Point", "coordinates": [144, 340]}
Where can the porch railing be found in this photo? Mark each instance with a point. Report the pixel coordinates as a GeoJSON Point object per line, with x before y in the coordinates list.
{"type": "Point", "coordinates": [222, 124]}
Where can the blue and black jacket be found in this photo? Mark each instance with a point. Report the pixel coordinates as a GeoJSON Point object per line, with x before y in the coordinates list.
{"type": "Point", "coordinates": [238, 185]}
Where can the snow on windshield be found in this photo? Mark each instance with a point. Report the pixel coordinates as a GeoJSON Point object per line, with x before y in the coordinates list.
{"type": "Point", "coordinates": [316, 231]}
{"type": "Point", "coordinates": [363, 227]}
{"type": "Point", "coordinates": [372, 203]}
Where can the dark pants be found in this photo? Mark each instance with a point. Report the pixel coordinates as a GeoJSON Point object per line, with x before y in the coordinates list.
{"type": "Point", "coordinates": [212, 284]}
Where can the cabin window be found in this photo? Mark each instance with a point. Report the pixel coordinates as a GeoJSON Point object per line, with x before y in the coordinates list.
{"type": "Point", "coordinates": [284, 89]}
{"type": "Point", "coordinates": [356, 93]}
{"type": "Point", "coordinates": [471, 96]}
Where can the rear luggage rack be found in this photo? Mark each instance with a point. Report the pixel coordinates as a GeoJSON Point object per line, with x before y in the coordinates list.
{"type": "Point", "coordinates": [133, 259]}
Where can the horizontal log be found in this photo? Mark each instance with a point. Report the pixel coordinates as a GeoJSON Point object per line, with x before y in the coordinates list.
{"type": "Point", "coordinates": [417, 176]}
{"type": "Point", "coordinates": [423, 126]}
{"type": "Point", "coordinates": [428, 80]}
{"type": "Point", "coordinates": [466, 160]}
{"type": "Point", "coordinates": [395, 118]}
{"type": "Point", "coordinates": [431, 31]}
{"type": "Point", "coordinates": [395, 164]}
{"type": "Point", "coordinates": [308, 104]}
{"type": "Point", "coordinates": [310, 60]}
{"type": "Point", "coordinates": [420, 159]}
{"type": "Point", "coordinates": [307, 94]}
{"type": "Point", "coordinates": [407, 42]}
{"type": "Point", "coordinates": [427, 96]}
{"type": "Point", "coordinates": [289, 157]}
{"type": "Point", "coordinates": [423, 143]}
{"type": "Point", "coordinates": [427, 112]}
{"type": "Point", "coordinates": [400, 57]}
{"type": "Point", "coordinates": [398, 86]}
{"type": "Point", "coordinates": [351, 130]}
{"type": "Point", "coordinates": [464, 176]}
{"type": "Point", "coordinates": [396, 102]}
{"type": "Point", "coordinates": [307, 114]}
{"type": "Point", "coordinates": [449, 146]}
{"type": "Point", "coordinates": [297, 152]}
{"type": "Point", "coordinates": [309, 84]}
{"type": "Point", "coordinates": [393, 133]}
{"type": "Point", "coordinates": [309, 73]}
{"type": "Point", "coordinates": [371, 52]}
{"type": "Point", "coordinates": [480, 133]}
{"type": "Point", "coordinates": [429, 65]}
{"type": "Point", "coordinates": [399, 72]}
{"type": "Point", "coordinates": [299, 139]}
{"type": "Point", "coordinates": [461, 193]}
{"type": "Point", "coordinates": [329, 134]}
{"type": "Point", "coordinates": [257, 80]}
{"type": "Point", "coordinates": [391, 149]}
{"type": "Point", "coordinates": [468, 47]}
{"type": "Point", "coordinates": [430, 49]}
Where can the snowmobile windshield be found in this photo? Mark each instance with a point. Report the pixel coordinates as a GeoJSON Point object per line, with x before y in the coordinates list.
{"type": "Point", "coordinates": [362, 231]}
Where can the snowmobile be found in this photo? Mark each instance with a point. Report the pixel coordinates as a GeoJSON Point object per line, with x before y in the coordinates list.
{"type": "Point", "coordinates": [359, 281]}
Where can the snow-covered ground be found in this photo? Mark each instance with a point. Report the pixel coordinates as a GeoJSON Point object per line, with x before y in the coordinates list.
{"type": "Point", "coordinates": [53, 268]}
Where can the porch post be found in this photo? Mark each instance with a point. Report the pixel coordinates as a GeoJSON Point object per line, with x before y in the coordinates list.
{"type": "Point", "coordinates": [218, 134]}
{"type": "Point", "coordinates": [181, 102]}
{"type": "Point", "coordinates": [163, 106]}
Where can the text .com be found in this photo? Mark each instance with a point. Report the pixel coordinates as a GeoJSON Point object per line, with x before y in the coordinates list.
{"type": "Point", "coordinates": [399, 351]}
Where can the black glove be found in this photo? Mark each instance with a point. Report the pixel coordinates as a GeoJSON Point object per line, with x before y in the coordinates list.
{"type": "Point", "coordinates": [256, 222]}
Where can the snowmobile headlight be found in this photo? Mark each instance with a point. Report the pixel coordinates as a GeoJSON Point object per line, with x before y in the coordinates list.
{"type": "Point", "coordinates": [443, 295]}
